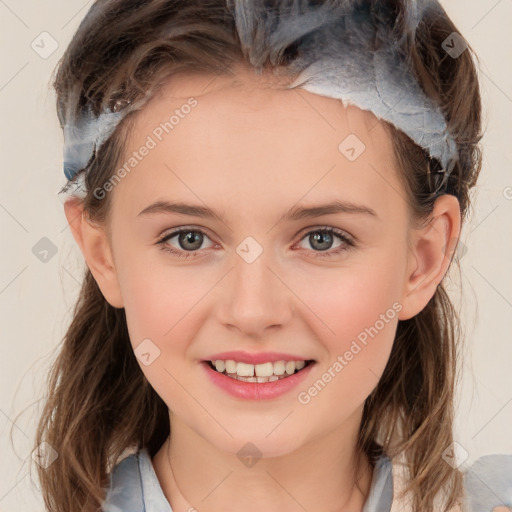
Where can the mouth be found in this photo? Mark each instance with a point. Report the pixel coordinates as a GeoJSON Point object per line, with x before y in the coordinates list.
{"type": "Point", "coordinates": [280, 372]}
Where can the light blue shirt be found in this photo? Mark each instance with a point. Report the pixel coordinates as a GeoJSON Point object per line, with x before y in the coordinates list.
{"type": "Point", "coordinates": [134, 486]}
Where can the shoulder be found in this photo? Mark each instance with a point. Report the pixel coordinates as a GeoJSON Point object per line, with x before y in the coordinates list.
{"type": "Point", "coordinates": [380, 496]}
{"type": "Point", "coordinates": [124, 493]}
{"type": "Point", "coordinates": [488, 483]}
{"type": "Point", "coordinates": [134, 487]}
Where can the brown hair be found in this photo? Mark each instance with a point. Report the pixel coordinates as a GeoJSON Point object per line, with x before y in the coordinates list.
{"type": "Point", "coordinates": [99, 402]}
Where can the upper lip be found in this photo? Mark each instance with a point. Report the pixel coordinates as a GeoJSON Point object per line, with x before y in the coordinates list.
{"type": "Point", "coordinates": [259, 358]}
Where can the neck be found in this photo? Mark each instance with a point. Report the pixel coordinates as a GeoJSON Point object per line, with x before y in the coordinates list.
{"type": "Point", "coordinates": [195, 475]}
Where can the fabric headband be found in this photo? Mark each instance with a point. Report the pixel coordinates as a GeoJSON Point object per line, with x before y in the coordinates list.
{"type": "Point", "coordinates": [348, 51]}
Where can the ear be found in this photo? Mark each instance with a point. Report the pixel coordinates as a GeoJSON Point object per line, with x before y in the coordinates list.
{"type": "Point", "coordinates": [431, 253]}
{"type": "Point", "coordinates": [94, 244]}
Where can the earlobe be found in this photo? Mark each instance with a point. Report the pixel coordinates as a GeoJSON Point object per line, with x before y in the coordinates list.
{"type": "Point", "coordinates": [95, 247]}
{"type": "Point", "coordinates": [431, 254]}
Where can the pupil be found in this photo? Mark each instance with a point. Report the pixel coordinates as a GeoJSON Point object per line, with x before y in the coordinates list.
{"type": "Point", "coordinates": [321, 237]}
{"type": "Point", "coordinates": [191, 237]}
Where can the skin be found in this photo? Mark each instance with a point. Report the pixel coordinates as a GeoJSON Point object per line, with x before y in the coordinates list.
{"type": "Point", "coordinates": [251, 152]}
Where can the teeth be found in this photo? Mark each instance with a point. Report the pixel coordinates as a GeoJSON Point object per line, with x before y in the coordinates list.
{"type": "Point", "coordinates": [244, 369]}
{"type": "Point", "coordinates": [279, 368]}
{"type": "Point", "coordinates": [230, 366]}
{"type": "Point", "coordinates": [265, 372]}
{"type": "Point", "coordinates": [290, 367]}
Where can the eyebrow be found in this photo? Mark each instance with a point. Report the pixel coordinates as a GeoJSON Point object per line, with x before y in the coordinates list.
{"type": "Point", "coordinates": [294, 214]}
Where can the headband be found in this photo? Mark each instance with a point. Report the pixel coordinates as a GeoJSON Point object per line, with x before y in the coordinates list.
{"type": "Point", "coordinates": [353, 51]}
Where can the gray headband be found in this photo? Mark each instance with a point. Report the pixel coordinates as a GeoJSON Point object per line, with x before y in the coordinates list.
{"type": "Point", "coordinates": [348, 51]}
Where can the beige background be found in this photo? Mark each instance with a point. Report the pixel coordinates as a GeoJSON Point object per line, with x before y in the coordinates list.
{"type": "Point", "coordinates": [36, 297]}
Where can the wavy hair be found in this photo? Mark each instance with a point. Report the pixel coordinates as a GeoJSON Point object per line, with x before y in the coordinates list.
{"type": "Point", "coordinates": [99, 403]}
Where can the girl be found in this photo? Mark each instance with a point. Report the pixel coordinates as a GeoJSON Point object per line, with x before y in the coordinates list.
{"type": "Point", "coordinates": [300, 353]}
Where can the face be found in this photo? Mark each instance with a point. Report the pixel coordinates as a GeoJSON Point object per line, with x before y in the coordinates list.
{"type": "Point", "coordinates": [255, 277]}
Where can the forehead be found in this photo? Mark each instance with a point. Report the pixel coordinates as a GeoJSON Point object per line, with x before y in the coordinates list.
{"type": "Point", "coordinates": [246, 135]}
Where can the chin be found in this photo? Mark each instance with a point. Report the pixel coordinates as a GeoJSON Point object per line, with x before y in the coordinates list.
{"type": "Point", "coordinates": [249, 448]}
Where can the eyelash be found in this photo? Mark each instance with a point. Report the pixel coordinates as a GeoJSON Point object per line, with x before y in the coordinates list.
{"type": "Point", "coordinates": [348, 241]}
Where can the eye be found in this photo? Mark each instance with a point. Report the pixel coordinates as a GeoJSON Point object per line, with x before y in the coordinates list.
{"type": "Point", "coordinates": [322, 239]}
{"type": "Point", "coordinates": [189, 242]}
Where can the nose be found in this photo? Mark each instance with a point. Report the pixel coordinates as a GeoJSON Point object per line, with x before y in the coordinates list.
{"type": "Point", "coordinates": [254, 298]}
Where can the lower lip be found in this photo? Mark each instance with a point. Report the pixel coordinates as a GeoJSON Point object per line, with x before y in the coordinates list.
{"type": "Point", "coordinates": [256, 390]}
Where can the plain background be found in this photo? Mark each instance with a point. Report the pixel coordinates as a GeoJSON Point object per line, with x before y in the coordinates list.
{"type": "Point", "coordinates": [36, 296]}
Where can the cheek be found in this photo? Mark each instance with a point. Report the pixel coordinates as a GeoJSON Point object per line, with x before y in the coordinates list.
{"type": "Point", "coordinates": [157, 303]}
{"type": "Point", "coordinates": [356, 312]}
{"type": "Point", "coordinates": [349, 314]}
{"type": "Point", "coordinates": [351, 300]}
{"type": "Point", "coordinates": [161, 307]}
